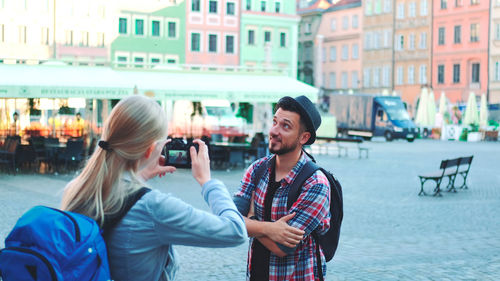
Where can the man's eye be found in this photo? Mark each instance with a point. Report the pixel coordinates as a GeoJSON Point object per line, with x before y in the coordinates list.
{"type": "Point", "coordinates": [286, 126]}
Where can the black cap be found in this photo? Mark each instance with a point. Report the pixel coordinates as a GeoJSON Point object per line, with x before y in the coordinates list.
{"type": "Point", "coordinates": [308, 113]}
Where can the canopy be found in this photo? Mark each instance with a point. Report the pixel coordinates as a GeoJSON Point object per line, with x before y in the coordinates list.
{"type": "Point", "coordinates": [442, 104]}
{"type": "Point", "coordinates": [471, 116]}
{"type": "Point", "coordinates": [431, 111]}
{"type": "Point", "coordinates": [422, 116]}
{"type": "Point", "coordinates": [483, 112]}
{"type": "Point", "coordinates": [56, 81]}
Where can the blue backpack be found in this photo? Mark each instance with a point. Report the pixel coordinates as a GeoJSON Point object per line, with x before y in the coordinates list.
{"type": "Point", "coordinates": [50, 244]}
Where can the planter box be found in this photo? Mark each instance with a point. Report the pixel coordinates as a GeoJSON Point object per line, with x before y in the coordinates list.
{"type": "Point", "coordinates": [473, 136]}
{"type": "Point", "coordinates": [491, 135]}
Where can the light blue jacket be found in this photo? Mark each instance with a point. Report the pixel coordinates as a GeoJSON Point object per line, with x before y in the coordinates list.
{"type": "Point", "coordinates": [140, 247]}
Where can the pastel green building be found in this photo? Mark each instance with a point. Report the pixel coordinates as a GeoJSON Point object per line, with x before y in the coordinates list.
{"type": "Point", "coordinates": [146, 39]}
{"type": "Point", "coordinates": [269, 35]}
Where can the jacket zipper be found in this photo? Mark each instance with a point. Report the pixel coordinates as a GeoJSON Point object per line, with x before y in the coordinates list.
{"type": "Point", "coordinates": [39, 256]}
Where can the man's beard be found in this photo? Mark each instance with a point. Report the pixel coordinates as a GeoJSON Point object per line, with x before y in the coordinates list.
{"type": "Point", "coordinates": [284, 148]}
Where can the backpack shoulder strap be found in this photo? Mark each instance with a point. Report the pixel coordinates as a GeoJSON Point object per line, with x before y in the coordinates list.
{"type": "Point", "coordinates": [306, 172]}
{"type": "Point", "coordinates": [111, 221]}
{"type": "Point", "coordinates": [261, 170]}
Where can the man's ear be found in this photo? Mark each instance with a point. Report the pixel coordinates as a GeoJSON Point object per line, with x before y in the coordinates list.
{"type": "Point", "coordinates": [304, 137]}
{"type": "Point", "coordinates": [149, 151]}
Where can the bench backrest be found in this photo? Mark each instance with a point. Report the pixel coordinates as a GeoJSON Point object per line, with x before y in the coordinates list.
{"type": "Point", "coordinates": [449, 163]}
{"type": "Point", "coordinates": [465, 161]}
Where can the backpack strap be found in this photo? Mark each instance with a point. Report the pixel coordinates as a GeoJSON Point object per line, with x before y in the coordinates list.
{"type": "Point", "coordinates": [111, 221]}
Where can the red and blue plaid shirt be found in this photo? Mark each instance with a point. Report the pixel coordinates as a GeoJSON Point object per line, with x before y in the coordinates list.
{"type": "Point", "coordinates": [312, 212]}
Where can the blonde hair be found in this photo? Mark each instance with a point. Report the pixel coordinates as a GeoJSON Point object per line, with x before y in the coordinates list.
{"type": "Point", "coordinates": [134, 124]}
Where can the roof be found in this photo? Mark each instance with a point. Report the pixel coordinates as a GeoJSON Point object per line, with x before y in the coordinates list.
{"type": "Point", "coordinates": [41, 81]}
{"type": "Point", "coordinates": [344, 4]}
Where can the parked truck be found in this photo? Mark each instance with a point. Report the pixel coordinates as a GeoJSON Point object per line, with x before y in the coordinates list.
{"type": "Point", "coordinates": [369, 116]}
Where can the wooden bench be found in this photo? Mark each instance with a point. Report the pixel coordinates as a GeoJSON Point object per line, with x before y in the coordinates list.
{"type": "Point", "coordinates": [449, 168]}
{"type": "Point", "coordinates": [342, 145]}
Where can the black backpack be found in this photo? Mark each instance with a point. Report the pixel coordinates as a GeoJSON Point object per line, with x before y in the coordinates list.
{"type": "Point", "coordinates": [329, 240]}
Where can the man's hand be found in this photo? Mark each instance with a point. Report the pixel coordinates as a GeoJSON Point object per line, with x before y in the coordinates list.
{"type": "Point", "coordinates": [280, 232]}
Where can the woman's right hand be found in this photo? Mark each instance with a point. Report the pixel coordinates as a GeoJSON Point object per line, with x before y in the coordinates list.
{"type": "Point", "coordinates": [200, 162]}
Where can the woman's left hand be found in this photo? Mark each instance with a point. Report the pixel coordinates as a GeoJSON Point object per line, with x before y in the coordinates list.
{"type": "Point", "coordinates": [156, 167]}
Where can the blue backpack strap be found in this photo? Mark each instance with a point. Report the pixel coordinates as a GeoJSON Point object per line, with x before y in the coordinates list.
{"type": "Point", "coordinates": [111, 221]}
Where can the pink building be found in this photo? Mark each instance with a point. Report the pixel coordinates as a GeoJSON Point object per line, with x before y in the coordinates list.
{"type": "Point", "coordinates": [212, 29]}
{"type": "Point", "coordinates": [460, 48]}
{"type": "Point", "coordinates": [340, 32]}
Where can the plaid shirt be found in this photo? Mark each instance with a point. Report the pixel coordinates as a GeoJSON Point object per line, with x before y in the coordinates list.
{"type": "Point", "coordinates": [312, 212]}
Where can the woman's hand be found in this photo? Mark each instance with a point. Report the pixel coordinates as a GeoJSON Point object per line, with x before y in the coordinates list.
{"type": "Point", "coordinates": [156, 167]}
{"type": "Point", "coordinates": [200, 162]}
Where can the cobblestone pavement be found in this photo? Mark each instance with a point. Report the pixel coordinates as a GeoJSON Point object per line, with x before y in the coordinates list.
{"type": "Point", "coordinates": [388, 233]}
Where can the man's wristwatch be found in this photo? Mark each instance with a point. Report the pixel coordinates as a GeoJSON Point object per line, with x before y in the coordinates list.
{"type": "Point", "coordinates": [253, 218]}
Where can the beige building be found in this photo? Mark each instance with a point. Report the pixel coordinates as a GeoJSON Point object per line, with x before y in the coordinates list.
{"type": "Point", "coordinates": [494, 79]}
{"type": "Point", "coordinates": [412, 52]}
{"type": "Point", "coordinates": [378, 55]}
{"type": "Point", "coordinates": [340, 30]}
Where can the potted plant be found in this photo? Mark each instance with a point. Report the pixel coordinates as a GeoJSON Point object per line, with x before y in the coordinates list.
{"type": "Point", "coordinates": [474, 134]}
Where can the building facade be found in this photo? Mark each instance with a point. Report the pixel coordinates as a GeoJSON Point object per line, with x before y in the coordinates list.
{"type": "Point", "coordinates": [78, 32]}
{"type": "Point", "coordinates": [412, 46]}
{"type": "Point", "coordinates": [269, 35]}
{"type": "Point", "coordinates": [149, 35]}
{"type": "Point", "coordinates": [340, 30]}
{"type": "Point", "coordinates": [494, 79]}
{"type": "Point", "coordinates": [378, 52]}
{"type": "Point", "coordinates": [309, 64]}
{"type": "Point", "coordinates": [460, 48]}
{"type": "Point", "coordinates": [212, 32]}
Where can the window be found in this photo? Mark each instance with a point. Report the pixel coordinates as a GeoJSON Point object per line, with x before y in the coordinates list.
{"type": "Point", "coordinates": [22, 34]}
{"type": "Point", "coordinates": [195, 5]}
{"type": "Point", "coordinates": [475, 73]}
{"type": "Point", "coordinates": [171, 61]}
{"type": "Point", "coordinates": [100, 39]}
{"type": "Point", "coordinates": [366, 78]}
{"type": "Point", "coordinates": [172, 31]}
{"type": "Point", "coordinates": [267, 36]}
{"type": "Point", "coordinates": [155, 28]}
{"type": "Point", "coordinates": [411, 75]}
{"type": "Point", "coordinates": [440, 74]}
{"type": "Point", "coordinates": [399, 75]}
{"type": "Point", "coordinates": [212, 7]}
{"type": "Point", "coordinates": [85, 39]}
{"type": "Point", "coordinates": [441, 34]}
{"type": "Point", "coordinates": [333, 25]}
{"type": "Point", "coordinates": [2, 33]}
{"type": "Point", "coordinates": [497, 71]}
{"type": "Point", "coordinates": [386, 72]}
{"type": "Point", "coordinates": [138, 62]}
{"type": "Point", "coordinates": [251, 37]}
{"type": "Point", "coordinates": [474, 2]}
{"type": "Point", "coordinates": [344, 80]}
{"type": "Point", "coordinates": [368, 41]}
{"type": "Point", "coordinates": [345, 22]}
{"type": "Point", "coordinates": [139, 27]}
{"type": "Point", "coordinates": [423, 40]}
{"type": "Point", "coordinates": [457, 36]}
{"type": "Point", "coordinates": [387, 38]}
{"type": "Point", "coordinates": [354, 80]}
{"type": "Point", "coordinates": [474, 32]}
{"type": "Point", "coordinates": [249, 5]}
{"type": "Point", "coordinates": [376, 39]}
{"type": "Point", "coordinates": [195, 42]}
{"type": "Point", "coordinates": [456, 73]}
{"type": "Point", "coordinates": [307, 28]}
{"type": "Point", "coordinates": [230, 8]}
{"type": "Point", "coordinates": [155, 60]}
{"type": "Point", "coordinates": [387, 6]}
{"type": "Point", "coordinates": [45, 35]}
{"type": "Point", "coordinates": [323, 54]}
{"type": "Point", "coordinates": [68, 37]}
{"type": "Point", "coordinates": [212, 43]}
{"type": "Point", "coordinates": [332, 80]}
{"type": "Point", "coordinates": [412, 42]}
{"type": "Point", "coordinates": [355, 21]}
{"type": "Point", "coordinates": [423, 7]}
{"type": "Point", "coordinates": [443, 4]}
{"type": "Point", "coordinates": [401, 10]}
{"type": "Point", "coordinates": [282, 39]}
{"type": "Point", "coordinates": [277, 7]}
{"type": "Point", "coordinates": [377, 7]}
{"type": "Point", "coordinates": [262, 6]}
{"type": "Point", "coordinates": [355, 51]}
{"type": "Point", "coordinates": [123, 61]}
{"type": "Point", "coordinates": [333, 53]}
{"type": "Point", "coordinates": [423, 74]}
{"type": "Point", "coordinates": [376, 77]}
{"type": "Point", "coordinates": [368, 7]}
{"type": "Point", "coordinates": [122, 26]}
{"type": "Point", "coordinates": [497, 33]}
{"type": "Point", "coordinates": [229, 44]}
{"type": "Point", "coordinates": [400, 42]}
{"type": "Point", "coordinates": [412, 10]}
{"type": "Point", "coordinates": [345, 52]}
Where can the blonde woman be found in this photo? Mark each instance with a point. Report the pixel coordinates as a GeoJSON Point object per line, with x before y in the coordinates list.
{"type": "Point", "coordinates": [140, 246]}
